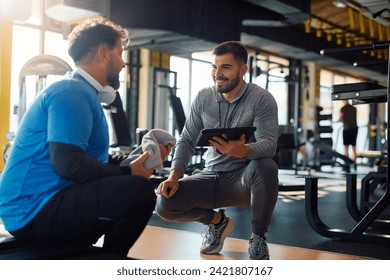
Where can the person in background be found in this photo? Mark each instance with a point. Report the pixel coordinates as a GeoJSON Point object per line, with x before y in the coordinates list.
{"type": "Point", "coordinates": [236, 173]}
{"type": "Point", "coordinates": [350, 129]}
{"type": "Point", "coordinates": [60, 185]}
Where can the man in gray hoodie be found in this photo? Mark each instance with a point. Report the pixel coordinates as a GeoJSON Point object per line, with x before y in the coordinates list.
{"type": "Point", "coordinates": [236, 173]}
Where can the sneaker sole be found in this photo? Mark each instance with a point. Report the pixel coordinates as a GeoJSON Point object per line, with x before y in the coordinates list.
{"type": "Point", "coordinates": [229, 228]}
{"type": "Point", "coordinates": [264, 258]}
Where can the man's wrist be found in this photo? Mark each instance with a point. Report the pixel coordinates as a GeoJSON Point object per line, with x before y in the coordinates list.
{"type": "Point", "coordinates": [175, 174]}
{"type": "Point", "coordinates": [247, 151]}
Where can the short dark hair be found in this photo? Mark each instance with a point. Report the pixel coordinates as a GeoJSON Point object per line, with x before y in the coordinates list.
{"type": "Point", "coordinates": [85, 38]}
{"type": "Point", "coordinates": [236, 48]}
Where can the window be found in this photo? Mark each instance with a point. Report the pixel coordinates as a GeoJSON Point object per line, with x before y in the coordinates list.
{"type": "Point", "coordinates": [56, 45]}
{"type": "Point", "coordinates": [195, 74]}
{"type": "Point", "coordinates": [273, 73]}
{"type": "Point", "coordinates": [39, 41]}
{"type": "Point", "coordinates": [327, 80]}
{"type": "Point", "coordinates": [22, 36]}
{"type": "Point", "coordinates": [182, 67]}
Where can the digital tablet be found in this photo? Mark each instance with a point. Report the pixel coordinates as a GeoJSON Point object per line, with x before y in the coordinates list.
{"type": "Point", "coordinates": [233, 133]}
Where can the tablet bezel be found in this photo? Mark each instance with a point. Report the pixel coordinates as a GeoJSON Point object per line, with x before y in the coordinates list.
{"type": "Point", "coordinates": [233, 133]}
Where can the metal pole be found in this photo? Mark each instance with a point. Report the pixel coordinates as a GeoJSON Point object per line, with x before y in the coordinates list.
{"type": "Point", "coordinates": [374, 46]}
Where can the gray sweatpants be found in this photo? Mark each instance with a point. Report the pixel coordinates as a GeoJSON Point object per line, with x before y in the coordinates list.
{"type": "Point", "coordinates": [255, 186]}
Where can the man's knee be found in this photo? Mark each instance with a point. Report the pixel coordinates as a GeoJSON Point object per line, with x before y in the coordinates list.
{"type": "Point", "coordinates": [266, 169]}
{"type": "Point", "coordinates": [265, 182]}
{"type": "Point", "coordinates": [143, 183]}
{"type": "Point", "coordinates": [164, 208]}
{"type": "Point", "coordinates": [144, 190]}
{"type": "Point", "coordinates": [266, 166]}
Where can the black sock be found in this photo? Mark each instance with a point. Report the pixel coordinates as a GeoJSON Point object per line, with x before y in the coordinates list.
{"type": "Point", "coordinates": [222, 220]}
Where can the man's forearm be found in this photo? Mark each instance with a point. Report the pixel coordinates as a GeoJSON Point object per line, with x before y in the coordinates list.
{"type": "Point", "coordinates": [175, 174]}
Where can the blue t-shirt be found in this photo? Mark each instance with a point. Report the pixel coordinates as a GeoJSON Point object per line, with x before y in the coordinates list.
{"type": "Point", "coordinates": [68, 112]}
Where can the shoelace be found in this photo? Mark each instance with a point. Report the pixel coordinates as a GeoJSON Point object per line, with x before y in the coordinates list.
{"type": "Point", "coordinates": [208, 234]}
{"type": "Point", "coordinates": [210, 237]}
{"type": "Point", "coordinates": [259, 246]}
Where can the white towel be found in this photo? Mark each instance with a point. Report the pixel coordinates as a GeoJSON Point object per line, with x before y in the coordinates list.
{"type": "Point", "coordinates": [150, 143]}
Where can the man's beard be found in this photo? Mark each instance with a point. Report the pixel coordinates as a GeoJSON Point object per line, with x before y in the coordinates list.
{"type": "Point", "coordinates": [113, 81]}
{"type": "Point", "coordinates": [230, 86]}
{"type": "Point", "coordinates": [113, 78]}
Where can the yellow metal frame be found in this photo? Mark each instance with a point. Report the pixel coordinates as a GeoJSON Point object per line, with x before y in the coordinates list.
{"type": "Point", "coordinates": [5, 83]}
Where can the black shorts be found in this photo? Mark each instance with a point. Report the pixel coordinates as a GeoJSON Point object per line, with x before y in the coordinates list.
{"type": "Point", "coordinates": [349, 136]}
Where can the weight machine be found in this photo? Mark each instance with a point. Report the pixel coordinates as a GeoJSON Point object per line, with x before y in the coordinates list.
{"type": "Point", "coordinates": [371, 226]}
{"type": "Point", "coordinates": [40, 67]}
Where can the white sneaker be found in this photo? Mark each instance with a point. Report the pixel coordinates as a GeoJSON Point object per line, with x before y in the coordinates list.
{"type": "Point", "coordinates": [215, 235]}
{"type": "Point", "coordinates": [258, 248]}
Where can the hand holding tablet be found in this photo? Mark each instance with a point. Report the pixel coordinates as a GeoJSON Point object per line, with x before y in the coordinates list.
{"type": "Point", "coordinates": [230, 134]}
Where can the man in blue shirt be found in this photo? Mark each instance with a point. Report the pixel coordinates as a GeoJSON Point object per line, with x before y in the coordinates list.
{"type": "Point", "coordinates": [60, 186]}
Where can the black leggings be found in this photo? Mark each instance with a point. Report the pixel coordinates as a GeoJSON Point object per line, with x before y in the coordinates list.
{"type": "Point", "coordinates": [117, 207]}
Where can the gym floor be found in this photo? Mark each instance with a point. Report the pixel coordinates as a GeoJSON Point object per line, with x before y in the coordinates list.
{"type": "Point", "coordinates": [289, 225]}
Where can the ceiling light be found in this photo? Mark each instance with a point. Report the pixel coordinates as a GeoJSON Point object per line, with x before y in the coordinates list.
{"type": "Point", "coordinates": [339, 4]}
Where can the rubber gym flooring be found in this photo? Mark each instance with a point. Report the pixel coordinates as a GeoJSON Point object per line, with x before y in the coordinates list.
{"type": "Point", "coordinates": [289, 225]}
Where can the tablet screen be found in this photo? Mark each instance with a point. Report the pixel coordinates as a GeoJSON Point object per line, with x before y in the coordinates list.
{"type": "Point", "coordinates": [233, 133]}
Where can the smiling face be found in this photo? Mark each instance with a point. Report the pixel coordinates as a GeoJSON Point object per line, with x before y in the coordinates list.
{"type": "Point", "coordinates": [227, 73]}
